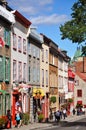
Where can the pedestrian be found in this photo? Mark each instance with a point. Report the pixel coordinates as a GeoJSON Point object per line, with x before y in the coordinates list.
{"type": "Point", "coordinates": [58, 116]}
{"type": "Point", "coordinates": [74, 111]}
{"type": "Point", "coordinates": [64, 113]}
{"type": "Point", "coordinates": [8, 125]}
{"type": "Point", "coordinates": [61, 113]}
{"type": "Point", "coordinates": [83, 110]}
{"type": "Point", "coordinates": [21, 118]}
{"type": "Point", "coordinates": [18, 119]}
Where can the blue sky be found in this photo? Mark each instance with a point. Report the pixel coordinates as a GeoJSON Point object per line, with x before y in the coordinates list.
{"type": "Point", "coordinates": [47, 16]}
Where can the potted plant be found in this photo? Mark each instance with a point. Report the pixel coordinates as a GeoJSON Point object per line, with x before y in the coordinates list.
{"type": "Point", "coordinates": [40, 117]}
{"type": "Point", "coordinates": [53, 99]}
{"type": "Point", "coordinates": [25, 118]}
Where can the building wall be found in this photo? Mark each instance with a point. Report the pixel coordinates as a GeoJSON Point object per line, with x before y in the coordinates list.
{"type": "Point", "coordinates": [81, 85]}
{"type": "Point", "coordinates": [44, 65]}
{"type": "Point", "coordinates": [53, 82]}
{"type": "Point", "coordinates": [21, 31]}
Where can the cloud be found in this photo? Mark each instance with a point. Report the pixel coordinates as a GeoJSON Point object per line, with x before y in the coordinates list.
{"type": "Point", "coordinates": [45, 2]}
{"type": "Point", "coordinates": [28, 10]}
{"type": "Point", "coordinates": [31, 7]}
{"type": "Point", "coordinates": [52, 19]}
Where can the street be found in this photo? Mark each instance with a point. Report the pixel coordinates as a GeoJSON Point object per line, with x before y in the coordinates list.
{"type": "Point", "coordinates": [76, 125]}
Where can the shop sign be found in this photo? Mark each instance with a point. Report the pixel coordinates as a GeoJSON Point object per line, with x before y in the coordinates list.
{"type": "Point", "coordinates": [7, 15]}
{"type": "Point", "coordinates": [38, 93]}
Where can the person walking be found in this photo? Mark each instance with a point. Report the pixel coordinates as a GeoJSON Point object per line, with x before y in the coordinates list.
{"type": "Point", "coordinates": [64, 113]}
{"type": "Point", "coordinates": [58, 116]}
{"type": "Point", "coordinates": [18, 118]}
{"type": "Point", "coordinates": [74, 111]}
{"type": "Point", "coordinates": [8, 125]}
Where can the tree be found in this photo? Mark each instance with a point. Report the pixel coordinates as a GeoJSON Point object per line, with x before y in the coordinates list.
{"type": "Point", "coordinates": [75, 29]}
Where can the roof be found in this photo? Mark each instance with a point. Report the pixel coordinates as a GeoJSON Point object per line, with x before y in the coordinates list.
{"type": "Point", "coordinates": [82, 76]}
{"type": "Point", "coordinates": [20, 18]}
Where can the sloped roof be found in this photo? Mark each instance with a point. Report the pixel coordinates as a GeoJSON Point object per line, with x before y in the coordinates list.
{"type": "Point", "coordinates": [82, 76]}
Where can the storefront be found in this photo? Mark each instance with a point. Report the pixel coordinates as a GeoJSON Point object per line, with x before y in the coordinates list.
{"type": "Point", "coordinates": [40, 102]}
{"type": "Point", "coordinates": [20, 100]}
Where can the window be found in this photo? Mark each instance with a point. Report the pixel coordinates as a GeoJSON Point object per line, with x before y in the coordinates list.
{"type": "Point", "coordinates": [24, 72]}
{"type": "Point", "coordinates": [79, 93]}
{"type": "Point", "coordinates": [14, 70]}
{"type": "Point", "coordinates": [46, 77]}
{"type": "Point", "coordinates": [24, 46]}
{"type": "Point", "coordinates": [19, 44]}
{"type": "Point", "coordinates": [7, 68]}
{"type": "Point", "coordinates": [29, 69]}
{"type": "Point", "coordinates": [42, 54]}
{"type": "Point", "coordinates": [38, 53]}
{"type": "Point", "coordinates": [20, 71]}
{"type": "Point", "coordinates": [14, 42]}
{"type": "Point", "coordinates": [7, 37]}
{"type": "Point", "coordinates": [42, 76]}
{"type": "Point", "coordinates": [38, 71]}
{"type": "Point", "coordinates": [46, 56]}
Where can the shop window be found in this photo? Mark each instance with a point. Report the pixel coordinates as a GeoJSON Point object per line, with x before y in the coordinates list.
{"type": "Point", "coordinates": [1, 99]}
{"type": "Point", "coordinates": [7, 102]}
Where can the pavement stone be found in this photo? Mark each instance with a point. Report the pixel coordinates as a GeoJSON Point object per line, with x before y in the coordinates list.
{"type": "Point", "coordinates": [36, 125]}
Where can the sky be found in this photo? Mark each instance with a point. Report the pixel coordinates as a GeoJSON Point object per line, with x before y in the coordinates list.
{"type": "Point", "coordinates": [47, 16]}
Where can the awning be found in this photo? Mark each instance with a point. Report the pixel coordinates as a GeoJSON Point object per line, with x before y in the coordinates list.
{"type": "Point", "coordinates": [38, 93]}
{"type": "Point", "coordinates": [3, 92]}
{"type": "Point", "coordinates": [25, 85]}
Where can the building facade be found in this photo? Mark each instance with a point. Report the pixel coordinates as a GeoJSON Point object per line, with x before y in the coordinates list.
{"type": "Point", "coordinates": [19, 73]}
{"type": "Point", "coordinates": [53, 76]}
{"type": "Point", "coordinates": [6, 21]}
{"type": "Point", "coordinates": [34, 46]}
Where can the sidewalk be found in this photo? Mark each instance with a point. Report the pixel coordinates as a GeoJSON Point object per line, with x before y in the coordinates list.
{"type": "Point", "coordinates": [33, 126]}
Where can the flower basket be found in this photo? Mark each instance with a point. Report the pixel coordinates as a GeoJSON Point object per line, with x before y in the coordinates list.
{"type": "Point", "coordinates": [3, 121]}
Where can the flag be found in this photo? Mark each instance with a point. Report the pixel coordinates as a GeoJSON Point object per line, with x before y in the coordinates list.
{"type": "Point", "coordinates": [2, 43]}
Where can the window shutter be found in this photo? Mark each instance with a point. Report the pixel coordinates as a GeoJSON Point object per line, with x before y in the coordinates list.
{"type": "Point", "coordinates": [1, 69]}
{"type": "Point", "coordinates": [4, 68]}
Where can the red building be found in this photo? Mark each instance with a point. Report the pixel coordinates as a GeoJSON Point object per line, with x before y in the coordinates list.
{"type": "Point", "coordinates": [71, 81]}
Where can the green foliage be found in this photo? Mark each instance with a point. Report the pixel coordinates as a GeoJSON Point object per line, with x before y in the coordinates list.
{"type": "Point", "coordinates": [25, 118]}
{"type": "Point", "coordinates": [40, 117]}
{"type": "Point", "coordinates": [53, 99]}
{"type": "Point", "coordinates": [3, 121]}
{"type": "Point", "coordinates": [70, 100]}
{"type": "Point", "coordinates": [75, 29]}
